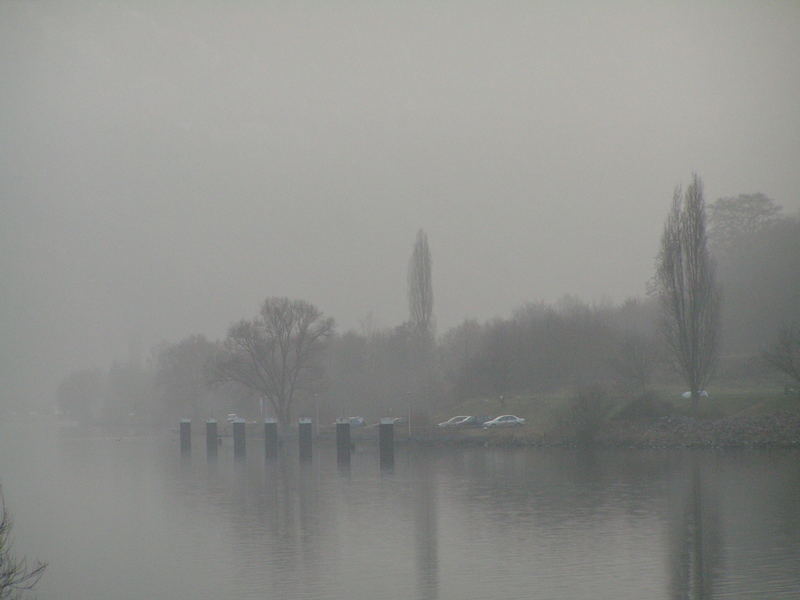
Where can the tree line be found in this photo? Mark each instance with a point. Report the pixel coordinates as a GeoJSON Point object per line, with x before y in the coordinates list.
{"type": "Point", "coordinates": [700, 316]}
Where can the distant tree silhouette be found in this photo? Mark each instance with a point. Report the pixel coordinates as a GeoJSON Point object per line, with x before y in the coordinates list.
{"type": "Point", "coordinates": [745, 214]}
{"type": "Point", "coordinates": [784, 354]}
{"type": "Point", "coordinates": [181, 377]}
{"type": "Point", "coordinates": [420, 286]}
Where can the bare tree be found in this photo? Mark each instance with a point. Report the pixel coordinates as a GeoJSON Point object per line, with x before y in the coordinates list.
{"type": "Point", "coordinates": [277, 353]}
{"type": "Point", "coordinates": [422, 379]}
{"type": "Point", "coordinates": [420, 286]}
{"type": "Point", "coordinates": [784, 354]}
{"type": "Point", "coordinates": [687, 288]}
{"type": "Point", "coordinates": [15, 576]}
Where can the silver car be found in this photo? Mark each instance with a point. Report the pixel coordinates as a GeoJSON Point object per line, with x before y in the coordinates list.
{"type": "Point", "coordinates": [504, 421]}
{"type": "Point", "coordinates": [459, 421]}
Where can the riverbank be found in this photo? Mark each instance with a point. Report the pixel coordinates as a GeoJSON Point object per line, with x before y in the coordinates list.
{"type": "Point", "coordinates": [734, 416]}
{"type": "Point", "coordinates": [775, 430]}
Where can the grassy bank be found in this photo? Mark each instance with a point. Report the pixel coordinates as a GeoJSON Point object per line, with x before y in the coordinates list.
{"type": "Point", "coordinates": [732, 416]}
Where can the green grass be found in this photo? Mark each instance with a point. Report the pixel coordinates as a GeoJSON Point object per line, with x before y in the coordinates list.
{"type": "Point", "coordinates": [730, 399]}
{"type": "Point", "coordinates": [544, 411]}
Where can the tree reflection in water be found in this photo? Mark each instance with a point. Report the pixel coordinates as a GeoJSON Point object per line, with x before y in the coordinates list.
{"type": "Point", "coordinates": [695, 539]}
{"type": "Point", "coordinates": [426, 532]}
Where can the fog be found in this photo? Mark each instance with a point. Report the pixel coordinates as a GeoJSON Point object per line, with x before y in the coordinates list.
{"type": "Point", "coordinates": [165, 166]}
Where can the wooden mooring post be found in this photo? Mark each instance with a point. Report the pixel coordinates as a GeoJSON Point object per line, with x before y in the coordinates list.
{"type": "Point", "coordinates": [270, 438]}
{"type": "Point", "coordinates": [386, 442]}
{"type": "Point", "coordinates": [239, 448]}
{"type": "Point", "coordinates": [305, 431]}
{"type": "Point", "coordinates": [211, 438]}
{"type": "Point", "coordinates": [343, 441]}
{"type": "Point", "coordinates": [186, 436]}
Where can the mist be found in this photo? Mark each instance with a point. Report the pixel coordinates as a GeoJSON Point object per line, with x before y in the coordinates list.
{"type": "Point", "coordinates": [166, 166]}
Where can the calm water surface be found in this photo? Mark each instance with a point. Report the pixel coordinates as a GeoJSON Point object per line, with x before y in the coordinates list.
{"type": "Point", "coordinates": [124, 516]}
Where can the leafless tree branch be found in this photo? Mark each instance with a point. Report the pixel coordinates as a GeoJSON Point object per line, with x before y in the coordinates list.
{"type": "Point", "coordinates": [15, 575]}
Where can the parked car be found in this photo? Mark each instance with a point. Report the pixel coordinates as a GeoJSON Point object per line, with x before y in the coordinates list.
{"type": "Point", "coordinates": [354, 421]}
{"type": "Point", "coordinates": [458, 421]}
{"type": "Point", "coordinates": [504, 421]}
{"type": "Point", "coordinates": [392, 420]}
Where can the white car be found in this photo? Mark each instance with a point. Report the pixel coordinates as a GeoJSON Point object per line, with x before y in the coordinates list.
{"type": "Point", "coordinates": [504, 421]}
{"type": "Point", "coordinates": [354, 421]}
{"type": "Point", "coordinates": [459, 421]}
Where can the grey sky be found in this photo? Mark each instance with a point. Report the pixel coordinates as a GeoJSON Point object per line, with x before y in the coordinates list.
{"type": "Point", "coordinates": [164, 166]}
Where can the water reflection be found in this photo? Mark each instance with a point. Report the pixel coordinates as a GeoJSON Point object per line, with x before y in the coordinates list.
{"type": "Point", "coordinates": [695, 551]}
{"type": "Point", "coordinates": [445, 524]}
{"type": "Point", "coordinates": [426, 546]}
{"type": "Point", "coordinates": [563, 523]}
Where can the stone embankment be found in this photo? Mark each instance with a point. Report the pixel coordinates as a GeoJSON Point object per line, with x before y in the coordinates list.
{"type": "Point", "coordinates": [780, 429]}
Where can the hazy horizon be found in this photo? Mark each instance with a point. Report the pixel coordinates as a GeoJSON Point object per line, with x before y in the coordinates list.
{"type": "Point", "coordinates": [165, 166]}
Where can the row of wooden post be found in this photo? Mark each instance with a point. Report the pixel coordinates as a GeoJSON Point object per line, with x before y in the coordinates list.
{"type": "Point", "coordinates": [343, 443]}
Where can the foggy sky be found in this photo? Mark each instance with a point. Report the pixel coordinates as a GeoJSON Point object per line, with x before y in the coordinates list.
{"type": "Point", "coordinates": [165, 166]}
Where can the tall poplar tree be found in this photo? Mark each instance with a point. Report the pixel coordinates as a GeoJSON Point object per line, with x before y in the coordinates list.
{"type": "Point", "coordinates": [420, 286]}
{"type": "Point", "coordinates": [687, 288]}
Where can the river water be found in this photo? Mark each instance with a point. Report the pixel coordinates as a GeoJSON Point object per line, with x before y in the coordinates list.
{"type": "Point", "coordinates": [125, 516]}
